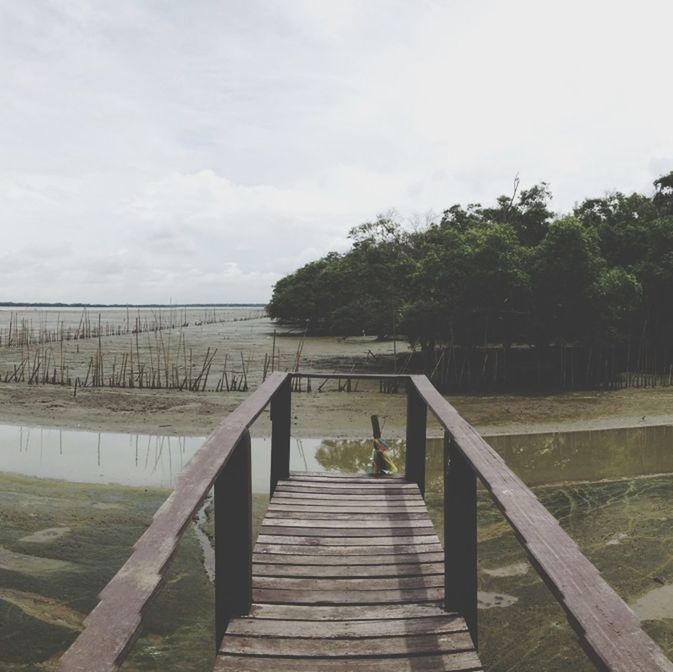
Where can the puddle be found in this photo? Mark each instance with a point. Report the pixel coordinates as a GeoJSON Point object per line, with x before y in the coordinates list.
{"type": "Point", "coordinates": [515, 569]}
{"type": "Point", "coordinates": [492, 600]}
{"type": "Point", "coordinates": [656, 604]}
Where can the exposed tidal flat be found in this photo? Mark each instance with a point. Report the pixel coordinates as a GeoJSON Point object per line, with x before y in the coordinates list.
{"type": "Point", "coordinates": [61, 541]}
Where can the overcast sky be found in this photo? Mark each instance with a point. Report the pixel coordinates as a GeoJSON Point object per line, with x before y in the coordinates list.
{"type": "Point", "coordinates": [199, 150]}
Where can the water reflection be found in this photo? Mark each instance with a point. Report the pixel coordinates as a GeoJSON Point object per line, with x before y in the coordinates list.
{"type": "Point", "coordinates": [538, 459]}
{"type": "Point", "coordinates": [156, 460]}
{"type": "Point", "coordinates": [588, 456]}
{"type": "Point", "coordinates": [129, 459]}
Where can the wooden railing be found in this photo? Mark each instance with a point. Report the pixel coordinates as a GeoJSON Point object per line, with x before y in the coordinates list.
{"type": "Point", "coordinates": [223, 462]}
{"type": "Point", "coordinates": [607, 628]}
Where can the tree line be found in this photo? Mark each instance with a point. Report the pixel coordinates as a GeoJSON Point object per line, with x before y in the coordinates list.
{"type": "Point", "coordinates": [507, 294]}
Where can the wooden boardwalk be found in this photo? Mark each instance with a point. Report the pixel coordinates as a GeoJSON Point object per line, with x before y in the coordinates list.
{"type": "Point", "coordinates": [348, 574]}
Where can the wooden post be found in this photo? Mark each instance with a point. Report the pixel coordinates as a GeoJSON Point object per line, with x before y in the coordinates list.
{"type": "Point", "coordinates": [281, 410]}
{"type": "Point", "coordinates": [233, 538]}
{"type": "Point", "coordinates": [460, 536]}
{"type": "Point", "coordinates": [417, 415]}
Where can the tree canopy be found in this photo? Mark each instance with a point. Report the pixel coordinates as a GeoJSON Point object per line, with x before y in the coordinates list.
{"type": "Point", "coordinates": [512, 273]}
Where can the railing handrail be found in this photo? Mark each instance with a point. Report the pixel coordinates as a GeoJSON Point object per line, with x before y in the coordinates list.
{"type": "Point", "coordinates": [111, 628]}
{"type": "Point", "coordinates": [608, 629]}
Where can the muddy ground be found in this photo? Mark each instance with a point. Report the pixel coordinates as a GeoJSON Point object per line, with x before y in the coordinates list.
{"type": "Point", "coordinates": [328, 413]}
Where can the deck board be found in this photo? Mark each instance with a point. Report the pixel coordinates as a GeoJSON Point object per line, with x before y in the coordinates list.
{"type": "Point", "coordinates": [348, 574]}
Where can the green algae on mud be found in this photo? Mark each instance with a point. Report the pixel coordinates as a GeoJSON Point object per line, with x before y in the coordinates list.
{"type": "Point", "coordinates": [41, 612]}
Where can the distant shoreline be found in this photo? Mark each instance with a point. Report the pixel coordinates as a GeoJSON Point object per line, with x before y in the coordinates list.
{"type": "Point", "coordinates": [13, 304]}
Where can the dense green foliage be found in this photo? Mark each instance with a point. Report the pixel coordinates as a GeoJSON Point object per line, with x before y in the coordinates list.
{"type": "Point", "coordinates": [514, 273]}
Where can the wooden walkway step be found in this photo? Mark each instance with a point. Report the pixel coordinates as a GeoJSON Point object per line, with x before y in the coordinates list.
{"type": "Point", "coordinates": [348, 574]}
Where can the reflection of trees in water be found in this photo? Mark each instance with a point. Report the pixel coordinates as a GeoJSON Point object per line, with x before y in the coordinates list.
{"type": "Point", "coordinates": [353, 456]}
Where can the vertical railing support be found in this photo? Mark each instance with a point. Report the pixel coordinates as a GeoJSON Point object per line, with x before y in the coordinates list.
{"type": "Point", "coordinates": [233, 538]}
{"type": "Point", "coordinates": [417, 415]}
{"type": "Point", "coordinates": [460, 536]}
{"type": "Point", "coordinates": [281, 410]}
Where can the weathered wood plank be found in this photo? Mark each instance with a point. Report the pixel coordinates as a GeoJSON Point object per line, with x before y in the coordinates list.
{"type": "Point", "coordinates": [349, 560]}
{"type": "Point", "coordinates": [361, 532]}
{"type": "Point", "coordinates": [373, 485]}
{"type": "Point", "coordinates": [294, 506]}
{"type": "Point", "coordinates": [349, 584]}
{"type": "Point", "coordinates": [393, 550]}
{"type": "Point", "coordinates": [403, 645]}
{"type": "Point", "coordinates": [349, 613]}
{"type": "Point", "coordinates": [355, 517]}
{"type": "Point", "coordinates": [356, 496]}
{"type": "Point", "coordinates": [348, 522]}
{"type": "Point", "coordinates": [400, 596]}
{"type": "Point", "coordinates": [390, 541]}
{"type": "Point", "coordinates": [450, 662]}
{"type": "Point", "coordinates": [348, 571]}
{"type": "Point", "coordinates": [319, 629]}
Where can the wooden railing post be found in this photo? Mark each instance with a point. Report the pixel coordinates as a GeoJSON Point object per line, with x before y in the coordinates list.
{"type": "Point", "coordinates": [417, 415]}
{"type": "Point", "coordinates": [460, 536]}
{"type": "Point", "coordinates": [233, 538]}
{"type": "Point", "coordinates": [281, 410]}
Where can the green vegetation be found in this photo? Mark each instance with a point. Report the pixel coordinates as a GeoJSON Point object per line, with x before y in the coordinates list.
{"type": "Point", "coordinates": [506, 294]}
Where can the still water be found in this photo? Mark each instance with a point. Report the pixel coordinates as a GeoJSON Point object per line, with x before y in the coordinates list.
{"type": "Point", "coordinates": [156, 461]}
{"type": "Point", "coordinates": [127, 459]}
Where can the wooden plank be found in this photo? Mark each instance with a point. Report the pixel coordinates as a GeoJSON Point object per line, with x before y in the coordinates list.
{"type": "Point", "coordinates": [350, 613]}
{"type": "Point", "coordinates": [400, 596]}
{"type": "Point", "coordinates": [376, 543]}
{"type": "Point", "coordinates": [397, 493]}
{"type": "Point", "coordinates": [354, 516]}
{"type": "Point", "coordinates": [372, 484]}
{"type": "Point", "coordinates": [349, 584]}
{"type": "Point", "coordinates": [345, 507]}
{"type": "Point", "coordinates": [344, 533]}
{"type": "Point", "coordinates": [393, 550]}
{"type": "Point", "coordinates": [350, 560]}
{"type": "Point", "coordinates": [450, 662]}
{"type": "Point", "coordinates": [401, 645]}
{"type": "Point", "coordinates": [259, 627]}
{"type": "Point", "coordinates": [374, 569]}
{"type": "Point", "coordinates": [348, 521]}
{"type": "Point", "coordinates": [356, 496]}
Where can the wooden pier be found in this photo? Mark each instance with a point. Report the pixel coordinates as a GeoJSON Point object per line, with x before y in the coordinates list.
{"type": "Point", "coordinates": [347, 573]}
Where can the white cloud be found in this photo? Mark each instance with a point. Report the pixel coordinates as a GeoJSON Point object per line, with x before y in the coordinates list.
{"type": "Point", "coordinates": [203, 150]}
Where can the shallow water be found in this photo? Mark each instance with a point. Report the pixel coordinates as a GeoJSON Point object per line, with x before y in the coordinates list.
{"type": "Point", "coordinates": [151, 460]}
